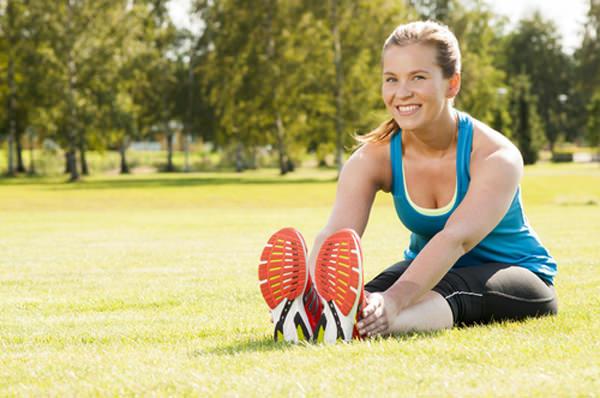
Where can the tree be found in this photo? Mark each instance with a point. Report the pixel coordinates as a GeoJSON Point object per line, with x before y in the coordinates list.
{"type": "Point", "coordinates": [439, 10]}
{"type": "Point", "coordinates": [296, 73]}
{"type": "Point", "coordinates": [478, 32]}
{"type": "Point", "coordinates": [75, 50]}
{"type": "Point", "coordinates": [259, 74]}
{"type": "Point", "coordinates": [11, 34]}
{"type": "Point", "coordinates": [534, 49]}
{"type": "Point", "coordinates": [593, 120]}
{"type": "Point", "coordinates": [527, 127]}
{"type": "Point", "coordinates": [154, 73]}
{"type": "Point", "coordinates": [358, 31]}
{"type": "Point", "coordinates": [587, 59]}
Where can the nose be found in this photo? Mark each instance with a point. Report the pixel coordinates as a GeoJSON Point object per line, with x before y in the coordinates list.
{"type": "Point", "coordinates": [403, 90]}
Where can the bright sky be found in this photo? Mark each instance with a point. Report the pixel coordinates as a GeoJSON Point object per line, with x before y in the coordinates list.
{"type": "Point", "coordinates": [569, 15]}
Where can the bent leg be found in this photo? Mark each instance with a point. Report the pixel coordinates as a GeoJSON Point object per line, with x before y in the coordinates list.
{"type": "Point", "coordinates": [470, 295]}
{"type": "Point", "coordinates": [517, 293]}
{"type": "Point", "coordinates": [493, 292]}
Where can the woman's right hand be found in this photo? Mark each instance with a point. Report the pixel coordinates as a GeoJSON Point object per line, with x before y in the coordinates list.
{"type": "Point", "coordinates": [377, 315]}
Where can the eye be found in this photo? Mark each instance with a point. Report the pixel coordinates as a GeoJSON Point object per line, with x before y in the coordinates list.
{"type": "Point", "coordinates": [418, 77]}
{"type": "Point", "coordinates": [390, 79]}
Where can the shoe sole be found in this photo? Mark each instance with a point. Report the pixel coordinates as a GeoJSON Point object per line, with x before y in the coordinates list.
{"type": "Point", "coordinates": [283, 275]}
{"type": "Point", "coordinates": [339, 282]}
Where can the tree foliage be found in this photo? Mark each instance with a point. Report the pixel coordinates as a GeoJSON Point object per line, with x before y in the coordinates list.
{"type": "Point", "coordinates": [534, 49]}
{"type": "Point", "coordinates": [587, 59]}
{"type": "Point", "coordinates": [527, 129]}
{"type": "Point", "coordinates": [289, 76]}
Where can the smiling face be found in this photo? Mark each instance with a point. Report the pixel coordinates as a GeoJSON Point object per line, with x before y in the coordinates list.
{"type": "Point", "coordinates": [414, 89]}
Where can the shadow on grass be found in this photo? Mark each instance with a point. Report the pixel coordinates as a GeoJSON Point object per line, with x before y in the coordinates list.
{"type": "Point", "coordinates": [61, 184]}
{"type": "Point", "coordinates": [158, 182]}
{"type": "Point", "coordinates": [30, 180]}
{"type": "Point", "coordinates": [267, 344]}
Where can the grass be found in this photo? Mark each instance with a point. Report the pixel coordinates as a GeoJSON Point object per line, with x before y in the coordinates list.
{"type": "Point", "coordinates": [146, 285]}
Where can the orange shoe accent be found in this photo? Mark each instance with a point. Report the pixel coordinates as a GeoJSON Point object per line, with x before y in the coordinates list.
{"type": "Point", "coordinates": [339, 273]}
{"type": "Point", "coordinates": [282, 268]}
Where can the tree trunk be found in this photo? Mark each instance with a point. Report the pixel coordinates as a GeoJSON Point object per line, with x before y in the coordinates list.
{"type": "Point", "coordinates": [281, 147]}
{"type": "Point", "coordinates": [122, 152]}
{"type": "Point", "coordinates": [239, 158]}
{"type": "Point", "coordinates": [82, 149]}
{"type": "Point", "coordinates": [12, 91]}
{"type": "Point", "coordinates": [67, 164]}
{"type": "Point", "coordinates": [31, 170]}
{"type": "Point", "coordinates": [170, 166]}
{"type": "Point", "coordinates": [20, 164]}
{"type": "Point", "coordinates": [71, 125]}
{"type": "Point", "coordinates": [72, 165]}
{"type": "Point", "coordinates": [338, 90]}
{"type": "Point", "coordinates": [190, 111]}
{"type": "Point", "coordinates": [271, 52]}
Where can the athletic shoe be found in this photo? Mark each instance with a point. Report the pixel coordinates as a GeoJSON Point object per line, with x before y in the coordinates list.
{"type": "Point", "coordinates": [283, 278]}
{"type": "Point", "coordinates": [340, 283]}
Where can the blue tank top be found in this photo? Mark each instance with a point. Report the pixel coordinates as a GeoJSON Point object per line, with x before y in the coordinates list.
{"type": "Point", "coordinates": [512, 241]}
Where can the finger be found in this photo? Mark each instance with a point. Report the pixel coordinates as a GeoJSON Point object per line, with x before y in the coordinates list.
{"type": "Point", "coordinates": [373, 302]}
{"type": "Point", "coordinates": [365, 322]}
{"type": "Point", "coordinates": [379, 329]}
{"type": "Point", "coordinates": [380, 323]}
{"type": "Point", "coordinates": [372, 323]}
{"type": "Point", "coordinates": [369, 309]}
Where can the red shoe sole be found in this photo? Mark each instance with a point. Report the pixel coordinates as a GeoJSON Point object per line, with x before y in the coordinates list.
{"type": "Point", "coordinates": [339, 281]}
{"type": "Point", "coordinates": [282, 270]}
{"type": "Point", "coordinates": [339, 270]}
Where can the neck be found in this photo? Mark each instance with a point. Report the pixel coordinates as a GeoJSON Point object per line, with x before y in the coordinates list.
{"type": "Point", "coordinates": [437, 137]}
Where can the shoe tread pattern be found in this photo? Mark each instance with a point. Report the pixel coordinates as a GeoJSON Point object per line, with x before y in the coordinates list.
{"type": "Point", "coordinates": [282, 267]}
{"type": "Point", "coordinates": [339, 270]}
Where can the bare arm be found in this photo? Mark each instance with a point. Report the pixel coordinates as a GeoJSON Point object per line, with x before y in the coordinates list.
{"type": "Point", "coordinates": [359, 181]}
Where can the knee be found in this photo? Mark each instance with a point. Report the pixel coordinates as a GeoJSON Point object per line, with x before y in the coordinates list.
{"type": "Point", "coordinates": [519, 283]}
{"type": "Point", "coordinates": [517, 293]}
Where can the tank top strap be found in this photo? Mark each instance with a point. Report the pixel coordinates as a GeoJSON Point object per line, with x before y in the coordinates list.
{"type": "Point", "coordinates": [396, 155]}
{"type": "Point", "coordinates": [463, 152]}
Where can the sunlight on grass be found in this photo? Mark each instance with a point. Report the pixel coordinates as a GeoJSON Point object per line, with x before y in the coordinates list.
{"type": "Point", "coordinates": [147, 285]}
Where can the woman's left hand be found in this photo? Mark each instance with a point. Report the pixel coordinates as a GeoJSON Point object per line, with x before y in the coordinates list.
{"type": "Point", "coordinates": [377, 316]}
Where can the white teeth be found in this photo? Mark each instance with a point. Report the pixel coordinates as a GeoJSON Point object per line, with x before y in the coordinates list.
{"type": "Point", "coordinates": [408, 108]}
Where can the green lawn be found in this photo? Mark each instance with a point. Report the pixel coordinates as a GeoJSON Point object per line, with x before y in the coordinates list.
{"type": "Point", "coordinates": [147, 285]}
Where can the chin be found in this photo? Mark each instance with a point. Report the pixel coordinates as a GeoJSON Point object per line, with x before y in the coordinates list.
{"type": "Point", "coordinates": [408, 124]}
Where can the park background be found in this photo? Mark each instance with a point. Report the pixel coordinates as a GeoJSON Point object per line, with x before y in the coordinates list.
{"type": "Point", "coordinates": [187, 145]}
{"type": "Point", "coordinates": [90, 87]}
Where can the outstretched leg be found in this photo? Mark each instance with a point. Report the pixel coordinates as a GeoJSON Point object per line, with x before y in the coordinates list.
{"type": "Point", "coordinates": [283, 279]}
{"type": "Point", "coordinates": [431, 313]}
{"type": "Point", "coordinates": [339, 281]}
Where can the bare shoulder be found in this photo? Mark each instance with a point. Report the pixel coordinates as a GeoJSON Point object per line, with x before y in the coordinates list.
{"type": "Point", "coordinates": [372, 160]}
{"type": "Point", "coordinates": [490, 146]}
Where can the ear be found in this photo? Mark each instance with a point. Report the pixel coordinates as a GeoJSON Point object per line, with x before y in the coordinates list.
{"type": "Point", "coordinates": [453, 86]}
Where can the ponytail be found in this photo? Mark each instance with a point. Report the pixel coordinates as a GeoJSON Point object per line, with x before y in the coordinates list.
{"type": "Point", "coordinates": [381, 133]}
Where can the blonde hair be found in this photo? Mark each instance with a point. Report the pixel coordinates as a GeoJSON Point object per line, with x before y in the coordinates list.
{"type": "Point", "coordinates": [420, 32]}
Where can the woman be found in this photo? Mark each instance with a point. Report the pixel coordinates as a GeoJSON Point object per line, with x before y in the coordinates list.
{"type": "Point", "coordinates": [472, 257]}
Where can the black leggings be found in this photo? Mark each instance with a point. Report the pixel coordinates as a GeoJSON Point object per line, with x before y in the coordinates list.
{"type": "Point", "coordinates": [485, 293]}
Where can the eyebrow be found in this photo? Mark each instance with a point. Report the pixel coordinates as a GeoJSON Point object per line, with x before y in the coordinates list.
{"type": "Point", "coordinates": [412, 72]}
